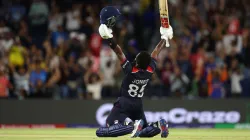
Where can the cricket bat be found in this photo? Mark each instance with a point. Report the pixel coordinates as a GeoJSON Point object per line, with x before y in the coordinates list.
{"type": "Point", "coordinates": [163, 8]}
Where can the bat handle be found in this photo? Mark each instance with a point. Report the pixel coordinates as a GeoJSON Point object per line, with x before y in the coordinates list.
{"type": "Point", "coordinates": [164, 22]}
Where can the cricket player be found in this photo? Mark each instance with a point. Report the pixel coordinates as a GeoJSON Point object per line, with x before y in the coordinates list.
{"type": "Point", "coordinates": [137, 76]}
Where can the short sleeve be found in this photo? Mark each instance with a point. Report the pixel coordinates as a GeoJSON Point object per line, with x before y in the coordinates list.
{"type": "Point", "coordinates": [126, 67]}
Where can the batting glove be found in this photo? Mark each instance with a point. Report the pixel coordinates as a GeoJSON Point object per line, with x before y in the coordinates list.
{"type": "Point", "coordinates": [166, 34]}
{"type": "Point", "coordinates": [105, 32]}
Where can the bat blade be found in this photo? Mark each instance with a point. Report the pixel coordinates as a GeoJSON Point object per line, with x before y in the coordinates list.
{"type": "Point", "coordinates": [163, 8]}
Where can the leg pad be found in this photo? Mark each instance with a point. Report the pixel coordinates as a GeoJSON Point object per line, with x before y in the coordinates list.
{"type": "Point", "coordinates": [150, 131]}
{"type": "Point", "coordinates": [114, 130]}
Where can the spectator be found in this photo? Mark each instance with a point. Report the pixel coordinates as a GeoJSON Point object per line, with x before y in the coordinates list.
{"type": "Point", "coordinates": [17, 11]}
{"type": "Point", "coordinates": [246, 52]}
{"type": "Point", "coordinates": [38, 13]}
{"type": "Point", "coordinates": [54, 76]}
{"type": "Point", "coordinates": [55, 19]}
{"type": "Point", "coordinates": [156, 88]}
{"type": "Point", "coordinates": [232, 41]}
{"type": "Point", "coordinates": [21, 78]}
{"type": "Point", "coordinates": [215, 84]}
{"type": "Point", "coordinates": [33, 53]}
{"type": "Point", "coordinates": [220, 58]}
{"type": "Point", "coordinates": [166, 74]}
{"type": "Point", "coordinates": [25, 38]}
{"type": "Point", "coordinates": [197, 61]}
{"type": "Point", "coordinates": [54, 73]}
{"type": "Point", "coordinates": [38, 77]}
{"type": "Point", "coordinates": [85, 58]}
{"type": "Point", "coordinates": [195, 88]}
{"type": "Point", "coordinates": [4, 83]}
{"type": "Point", "coordinates": [74, 81]}
{"type": "Point", "coordinates": [108, 63]}
{"type": "Point", "coordinates": [179, 82]}
{"type": "Point", "coordinates": [38, 17]}
{"type": "Point", "coordinates": [236, 77]}
{"type": "Point", "coordinates": [94, 84]}
{"type": "Point", "coordinates": [3, 28]}
{"type": "Point", "coordinates": [77, 43]}
{"type": "Point", "coordinates": [64, 89]}
{"type": "Point", "coordinates": [50, 56]}
{"type": "Point", "coordinates": [210, 62]}
{"type": "Point", "coordinates": [183, 62]}
{"type": "Point", "coordinates": [17, 54]}
{"type": "Point", "coordinates": [59, 37]}
{"type": "Point", "coordinates": [95, 44]}
{"type": "Point", "coordinates": [73, 18]}
{"type": "Point", "coordinates": [6, 38]}
{"type": "Point", "coordinates": [62, 50]}
{"type": "Point", "coordinates": [233, 55]}
{"type": "Point", "coordinates": [6, 42]}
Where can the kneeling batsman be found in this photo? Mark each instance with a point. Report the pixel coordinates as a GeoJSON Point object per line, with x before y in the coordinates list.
{"type": "Point", "coordinates": [144, 66]}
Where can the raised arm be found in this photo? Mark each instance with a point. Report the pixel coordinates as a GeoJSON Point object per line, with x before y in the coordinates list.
{"type": "Point", "coordinates": [106, 33]}
{"type": "Point", "coordinates": [166, 34]}
{"type": "Point", "coordinates": [158, 49]}
{"type": "Point", "coordinates": [117, 49]}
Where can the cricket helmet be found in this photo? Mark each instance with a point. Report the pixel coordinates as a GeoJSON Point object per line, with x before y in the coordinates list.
{"type": "Point", "coordinates": [109, 15]}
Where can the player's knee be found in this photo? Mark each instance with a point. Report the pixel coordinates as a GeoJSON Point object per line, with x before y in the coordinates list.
{"type": "Point", "coordinates": [114, 130]}
{"type": "Point", "coordinates": [150, 131]}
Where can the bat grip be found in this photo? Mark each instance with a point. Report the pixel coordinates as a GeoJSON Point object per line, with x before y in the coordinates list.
{"type": "Point", "coordinates": [164, 22]}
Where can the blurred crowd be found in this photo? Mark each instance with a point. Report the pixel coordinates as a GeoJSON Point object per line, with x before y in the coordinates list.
{"type": "Point", "coordinates": [52, 49]}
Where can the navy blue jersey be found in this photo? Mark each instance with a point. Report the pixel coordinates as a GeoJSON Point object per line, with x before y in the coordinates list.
{"type": "Point", "coordinates": [136, 80]}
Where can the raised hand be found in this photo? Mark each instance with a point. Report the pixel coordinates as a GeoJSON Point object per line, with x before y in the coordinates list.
{"type": "Point", "coordinates": [105, 32]}
{"type": "Point", "coordinates": [166, 34]}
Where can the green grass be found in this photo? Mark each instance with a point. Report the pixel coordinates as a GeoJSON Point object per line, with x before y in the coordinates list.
{"type": "Point", "coordinates": [89, 134]}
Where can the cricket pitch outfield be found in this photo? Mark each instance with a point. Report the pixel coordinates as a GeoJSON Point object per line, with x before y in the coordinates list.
{"type": "Point", "coordinates": [89, 134]}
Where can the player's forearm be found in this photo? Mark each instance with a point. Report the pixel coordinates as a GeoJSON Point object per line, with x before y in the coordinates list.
{"type": "Point", "coordinates": [117, 49]}
{"type": "Point", "coordinates": [158, 48]}
{"type": "Point", "coordinates": [119, 53]}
